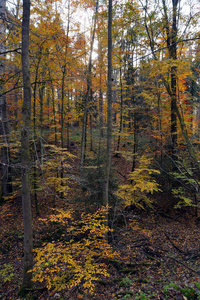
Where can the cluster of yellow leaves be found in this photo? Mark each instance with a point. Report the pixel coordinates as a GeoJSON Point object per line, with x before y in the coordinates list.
{"type": "Point", "coordinates": [78, 257]}
{"type": "Point", "coordinates": [143, 183]}
{"type": "Point", "coordinates": [56, 160]}
{"type": "Point", "coordinates": [185, 198]}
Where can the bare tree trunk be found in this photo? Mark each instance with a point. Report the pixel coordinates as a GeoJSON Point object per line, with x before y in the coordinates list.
{"type": "Point", "coordinates": [35, 139]}
{"type": "Point", "coordinates": [159, 122]}
{"type": "Point", "coordinates": [135, 146]}
{"type": "Point", "coordinates": [64, 74]}
{"type": "Point", "coordinates": [55, 133]}
{"type": "Point", "coordinates": [16, 97]}
{"type": "Point", "coordinates": [109, 108]}
{"type": "Point", "coordinates": [6, 187]}
{"type": "Point", "coordinates": [121, 110]}
{"type": "Point", "coordinates": [172, 48]}
{"type": "Point", "coordinates": [91, 134]}
{"type": "Point", "coordinates": [41, 97]}
{"type": "Point", "coordinates": [88, 93]}
{"type": "Point", "coordinates": [100, 58]}
{"type": "Point", "coordinates": [54, 114]}
{"type": "Point", "coordinates": [62, 119]}
{"type": "Point", "coordinates": [25, 151]}
{"type": "Point", "coordinates": [173, 55]}
{"type": "Point", "coordinates": [68, 116]}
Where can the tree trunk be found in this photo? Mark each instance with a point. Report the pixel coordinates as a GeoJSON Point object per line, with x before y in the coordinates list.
{"type": "Point", "coordinates": [100, 58]}
{"type": "Point", "coordinates": [64, 73]}
{"type": "Point", "coordinates": [109, 108]}
{"type": "Point", "coordinates": [54, 114]}
{"type": "Point", "coordinates": [173, 55]}
{"type": "Point", "coordinates": [91, 134]}
{"type": "Point", "coordinates": [135, 146]}
{"type": "Point", "coordinates": [159, 122]}
{"type": "Point", "coordinates": [121, 110]}
{"type": "Point", "coordinates": [6, 187]}
{"type": "Point", "coordinates": [35, 139]}
{"type": "Point", "coordinates": [41, 97]}
{"type": "Point", "coordinates": [88, 93]}
{"type": "Point", "coordinates": [68, 117]}
{"type": "Point", "coordinates": [16, 96]}
{"type": "Point", "coordinates": [25, 151]}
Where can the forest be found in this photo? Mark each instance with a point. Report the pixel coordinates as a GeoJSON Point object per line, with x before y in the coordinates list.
{"type": "Point", "coordinates": [100, 149]}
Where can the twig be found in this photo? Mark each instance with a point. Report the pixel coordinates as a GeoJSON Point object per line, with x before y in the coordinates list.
{"type": "Point", "coordinates": [180, 262]}
{"type": "Point", "coordinates": [121, 174]}
{"type": "Point", "coordinates": [181, 251]}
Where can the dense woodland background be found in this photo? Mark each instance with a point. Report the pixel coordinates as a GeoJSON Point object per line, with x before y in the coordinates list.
{"type": "Point", "coordinates": [100, 140]}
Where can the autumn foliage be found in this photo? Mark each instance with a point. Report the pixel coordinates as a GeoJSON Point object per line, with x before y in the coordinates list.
{"type": "Point", "coordinates": [141, 149]}
{"type": "Point", "coordinates": [79, 256]}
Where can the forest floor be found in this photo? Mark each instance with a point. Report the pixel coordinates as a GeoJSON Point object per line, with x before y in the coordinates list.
{"type": "Point", "coordinates": [159, 255]}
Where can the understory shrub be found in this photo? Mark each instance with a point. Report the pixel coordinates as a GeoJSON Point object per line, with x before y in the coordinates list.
{"type": "Point", "coordinates": [142, 183]}
{"type": "Point", "coordinates": [79, 257]}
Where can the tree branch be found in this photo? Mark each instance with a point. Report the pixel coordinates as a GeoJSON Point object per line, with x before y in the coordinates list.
{"type": "Point", "coordinates": [11, 51]}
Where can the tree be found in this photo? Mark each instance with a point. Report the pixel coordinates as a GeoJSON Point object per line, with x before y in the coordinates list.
{"type": "Point", "coordinates": [109, 108]}
{"type": "Point", "coordinates": [25, 150]}
{"type": "Point", "coordinates": [172, 48]}
{"type": "Point", "coordinates": [89, 89]}
{"type": "Point", "coordinates": [6, 187]}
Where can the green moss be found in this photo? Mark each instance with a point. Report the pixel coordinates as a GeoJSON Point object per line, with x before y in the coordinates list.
{"type": "Point", "coordinates": [125, 282]}
{"type": "Point", "coordinates": [170, 286]}
{"type": "Point", "coordinates": [189, 293]}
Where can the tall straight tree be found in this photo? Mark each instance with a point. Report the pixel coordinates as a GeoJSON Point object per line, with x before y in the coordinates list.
{"type": "Point", "coordinates": [6, 186]}
{"type": "Point", "coordinates": [89, 89]}
{"type": "Point", "coordinates": [25, 151]}
{"type": "Point", "coordinates": [170, 19]}
{"type": "Point", "coordinates": [109, 107]}
{"type": "Point", "coordinates": [172, 48]}
{"type": "Point", "coordinates": [175, 111]}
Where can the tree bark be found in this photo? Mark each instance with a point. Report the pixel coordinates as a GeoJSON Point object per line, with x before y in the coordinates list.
{"type": "Point", "coordinates": [173, 55]}
{"type": "Point", "coordinates": [25, 151]}
{"type": "Point", "coordinates": [100, 58]}
{"type": "Point", "coordinates": [35, 139]}
{"type": "Point", "coordinates": [109, 108]}
{"type": "Point", "coordinates": [6, 186]}
{"type": "Point", "coordinates": [64, 74]}
{"type": "Point", "coordinates": [121, 109]}
{"type": "Point", "coordinates": [88, 92]}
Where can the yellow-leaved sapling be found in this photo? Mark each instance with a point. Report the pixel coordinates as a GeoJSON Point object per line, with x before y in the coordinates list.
{"type": "Point", "coordinates": [142, 183]}
{"type": "Point", "coordinates": [78, 258]}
